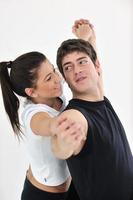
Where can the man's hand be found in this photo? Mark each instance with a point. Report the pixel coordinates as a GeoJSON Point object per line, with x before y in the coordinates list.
{"type": "Point", "coordinates": [83, 29]}
{"type": "Point", "coordinates": [67, 137]}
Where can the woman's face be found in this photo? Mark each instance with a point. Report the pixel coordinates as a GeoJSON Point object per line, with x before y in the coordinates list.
{"type": "Point", "coordinates": [48, 84]}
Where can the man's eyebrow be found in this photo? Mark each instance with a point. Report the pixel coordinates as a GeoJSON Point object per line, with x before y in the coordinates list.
{"type": "Point", "coordinates": [80, 58]}
{"type": "Point", "coordinates": [67, 63]}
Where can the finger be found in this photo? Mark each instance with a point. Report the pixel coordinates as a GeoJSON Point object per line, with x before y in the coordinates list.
{"type": "Point", "coordinates": [74, 29]}
{"type": "Point", "coordinates": [79, 138]}
{"type": "Point", "coordinates": [84, 21]}
{"type": "Point", "coordinates": [80, 132]}
{"type": "Point", "coordinates": [76, 141]}
{"type": "Point", "coordinates": [61, 119]}
{"type": "Point", "coordinates": [66, 124]}
{"type": "Point", "coordinates": [73, 129]}
{"type": "Point", "coordinates": [91, 25]}
{"type": "Point", "coordinates": [78, 22]}
{"type": "Point", "coordinates": [71, 138]}
{"type": "Point", "coordinates": [84, 26]}
{"type": "Point", "coordinates": [70, 133]}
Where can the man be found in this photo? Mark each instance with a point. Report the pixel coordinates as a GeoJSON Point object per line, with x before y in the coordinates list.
{"type": "Point", "coordinates": [101, 164]}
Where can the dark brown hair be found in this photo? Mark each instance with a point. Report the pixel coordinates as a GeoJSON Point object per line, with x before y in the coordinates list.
{"type": "Point", "coordinates": [23, 74]}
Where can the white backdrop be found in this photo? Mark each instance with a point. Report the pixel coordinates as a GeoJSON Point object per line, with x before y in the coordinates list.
{"type": "Point", "coordinates": [42, 25]}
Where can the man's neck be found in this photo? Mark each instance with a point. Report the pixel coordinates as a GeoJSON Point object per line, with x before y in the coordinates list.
{"type": "Point", "coordinates": [97, 96]}
{"type": "Point", "coordinates": [93, 99]}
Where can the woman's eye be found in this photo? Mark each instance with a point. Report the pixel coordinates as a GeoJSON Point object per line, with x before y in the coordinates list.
{"type": "Point", "coordinates": [49, 78]}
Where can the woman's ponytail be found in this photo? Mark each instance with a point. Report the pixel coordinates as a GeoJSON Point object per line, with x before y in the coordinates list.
{"type": "Point", "coordinates": [11, 101]}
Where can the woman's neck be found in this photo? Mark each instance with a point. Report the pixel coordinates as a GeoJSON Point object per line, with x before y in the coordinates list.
{"type": "Point", "coordinates": [55, 103]}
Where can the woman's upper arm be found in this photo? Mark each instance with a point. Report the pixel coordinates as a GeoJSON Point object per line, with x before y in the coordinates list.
{"type": "Point", "coordinates": [40, 123]}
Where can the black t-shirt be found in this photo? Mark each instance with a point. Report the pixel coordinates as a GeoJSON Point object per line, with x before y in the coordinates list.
{"type": "Point", "coordinates": [103, 170]}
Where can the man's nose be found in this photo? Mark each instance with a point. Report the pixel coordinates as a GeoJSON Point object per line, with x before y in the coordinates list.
{"type": "Point", "coordinates": [77, 69]}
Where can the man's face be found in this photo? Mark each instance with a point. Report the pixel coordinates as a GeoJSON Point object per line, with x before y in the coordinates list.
{"type": "Point", "coordinates": [80, 72]}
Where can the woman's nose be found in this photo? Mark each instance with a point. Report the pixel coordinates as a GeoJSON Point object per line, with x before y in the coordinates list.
{"type": "Point", "coordinates": [57, 77]}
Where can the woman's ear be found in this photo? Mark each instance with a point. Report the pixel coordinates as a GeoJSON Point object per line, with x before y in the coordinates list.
{"type": "Point", "coordinates": [30, 92]}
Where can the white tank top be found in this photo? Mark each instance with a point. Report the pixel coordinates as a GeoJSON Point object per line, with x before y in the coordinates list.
{"type": "Point", "coordinates": [46, 168]}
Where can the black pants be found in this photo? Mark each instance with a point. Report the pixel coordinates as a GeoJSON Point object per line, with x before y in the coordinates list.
{"type": "Point", "coordinates": [72, 194]}
{"type": "Point", "coordinates": [30, 192]}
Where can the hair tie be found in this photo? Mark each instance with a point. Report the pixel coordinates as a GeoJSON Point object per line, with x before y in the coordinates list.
{"type": "Point", "coordinates": [9, 64]}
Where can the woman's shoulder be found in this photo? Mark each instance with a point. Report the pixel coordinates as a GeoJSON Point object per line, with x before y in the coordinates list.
{"type": "Point", "coordinates": [29, 109]}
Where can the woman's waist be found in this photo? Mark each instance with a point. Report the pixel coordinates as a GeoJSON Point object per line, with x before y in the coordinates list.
{"type": "Point", "coordinates": [55, 189]}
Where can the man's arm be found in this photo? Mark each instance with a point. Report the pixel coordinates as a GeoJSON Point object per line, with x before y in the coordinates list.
{"type": "Point", "coordinates": [69, 141]}
{"type": "Point", "coordinates": [83, 29]}
{"type": "Point", "coordinates": [69, 134]}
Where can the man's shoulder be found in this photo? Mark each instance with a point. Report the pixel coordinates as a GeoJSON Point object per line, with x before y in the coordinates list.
{"type": "Point", "coordinates": [73, 104]}
{"type": "Point", "coordinates": [74, 114]}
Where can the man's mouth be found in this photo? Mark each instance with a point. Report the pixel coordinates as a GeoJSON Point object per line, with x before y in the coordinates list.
{"type": "Point", "coordinates": [80, 79]}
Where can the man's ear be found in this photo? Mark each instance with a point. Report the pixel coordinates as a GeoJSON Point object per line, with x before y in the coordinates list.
{"type": "Point", "coordinates": [97, 64]}
{"type": "Point", "coordinates": [98, 67]}
{"type": "Point", "coordinates": [30, 92]}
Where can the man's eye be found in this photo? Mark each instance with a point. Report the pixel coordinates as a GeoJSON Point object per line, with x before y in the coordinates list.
{"type": "Point", "coordinates": [67, 68]}
{"type": "Point", "coordinates": [83, 62]}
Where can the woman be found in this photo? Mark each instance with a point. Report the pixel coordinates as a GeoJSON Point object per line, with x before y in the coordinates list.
{"type": "Point", "coordinates": [32, 76]}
